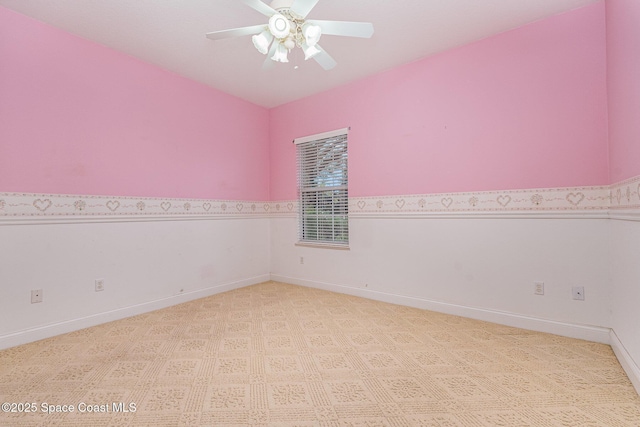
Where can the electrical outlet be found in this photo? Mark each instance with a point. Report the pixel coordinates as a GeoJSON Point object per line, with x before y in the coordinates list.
{"type": "Point", "coordinates": [578, 293]}
{"type": "Point", "coordinates": [99, 285]}
{"type": "Point", "coordinates": [301, 260]}
{"type": "Point", "coordinates": [538, 288]}
{"type": "Point", "coordinates": [36, 296]}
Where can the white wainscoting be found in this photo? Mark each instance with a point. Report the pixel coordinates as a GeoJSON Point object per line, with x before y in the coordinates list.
{"type": "Point", "coordinates": [482, 268]}
{"type": "Point", "coordinates": [625, 271]}
{"type": "Point", "coordinates": [146, 265]}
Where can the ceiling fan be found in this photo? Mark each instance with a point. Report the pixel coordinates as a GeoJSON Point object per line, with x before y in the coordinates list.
{"type": "Point", "coordinates": [288, 28]}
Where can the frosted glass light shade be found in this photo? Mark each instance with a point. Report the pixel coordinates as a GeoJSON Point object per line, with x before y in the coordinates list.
{"type": "Point", "coordinates": [311, 34]}
{"type": "Point", "coordinates": [262, 41]}
{"type": "Point", "coordinates": [281, 54]}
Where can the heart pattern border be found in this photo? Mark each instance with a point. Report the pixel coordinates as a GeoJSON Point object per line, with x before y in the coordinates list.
{"type": "Point", "coordinates": [571, 199]}
{"type": "Point", "coordinates": [29, 205]}
{"type": "Point", "coordinates": [622, 195]}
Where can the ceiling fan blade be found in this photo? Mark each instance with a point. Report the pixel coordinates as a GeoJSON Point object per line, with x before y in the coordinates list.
{"type": "Point", "coordinates": [303, 7]}
{"type": "Point", "coordinates": [344, 28]}
{"type": "Point", "coordinates": [260, 7]}
{"type": "Point", "coordinates": [236, 32]}
{"type": "Point", "coordinates": [324, 59]}
{"type": "Point", "coordinates": [269, 63]}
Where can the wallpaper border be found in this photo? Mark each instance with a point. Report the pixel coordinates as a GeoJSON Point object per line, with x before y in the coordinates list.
{"type": "Point", "coordinates": [620, 200]}
{"type": "Point", "coordinates": [30, 207]}
{"type": "Point", "coordinates": [557, 200]}
{"type": "Point", "coordinates": [626, 194]}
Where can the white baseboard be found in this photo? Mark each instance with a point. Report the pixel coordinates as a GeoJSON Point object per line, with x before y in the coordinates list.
{"type": "Point", "coordinates": [47, 331]}
{"type": "Point", "coordinates": [625, 359]}
{"type": "Point", "coordinates": [585, 332]}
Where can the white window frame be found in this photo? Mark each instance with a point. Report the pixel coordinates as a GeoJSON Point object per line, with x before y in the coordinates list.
{"type": "Point", "coordinates": [323, 229]}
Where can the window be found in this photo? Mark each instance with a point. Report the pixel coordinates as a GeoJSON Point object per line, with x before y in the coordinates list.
{"type": "Point", "coordinates": [323, 190]}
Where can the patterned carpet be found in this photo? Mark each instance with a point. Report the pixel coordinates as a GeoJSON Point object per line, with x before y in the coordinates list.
{"type": "Point", "coordinates": [282, 355]}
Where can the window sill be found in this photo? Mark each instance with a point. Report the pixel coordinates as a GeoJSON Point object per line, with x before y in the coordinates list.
{"type": "Point", "coordinates": [324, 245]}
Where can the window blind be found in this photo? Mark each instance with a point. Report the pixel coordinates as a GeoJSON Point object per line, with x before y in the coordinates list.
{"type": "Point", "coordinates": [323, 190]}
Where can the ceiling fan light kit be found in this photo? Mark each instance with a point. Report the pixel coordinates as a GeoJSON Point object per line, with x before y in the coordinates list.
{"type": "Point", "coordinates": [262, 41]}
{"type": "Point", "coordinates": [287, 28]}
{"type": "Point", "coordinates": [289, 31]}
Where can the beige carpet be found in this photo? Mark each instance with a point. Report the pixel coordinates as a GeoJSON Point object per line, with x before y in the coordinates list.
{"type": "Point", "coordinates": [282, 355]}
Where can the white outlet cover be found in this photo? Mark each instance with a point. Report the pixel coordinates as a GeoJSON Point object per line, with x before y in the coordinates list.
{"type": "Point", "coordinates": [36, 296]}
{"type": "Point", "coordinates": [578, 293]}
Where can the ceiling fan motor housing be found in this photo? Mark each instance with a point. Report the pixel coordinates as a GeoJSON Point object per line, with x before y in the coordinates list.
{"type": "Point", "coordinates": [279, 26]}
{"type": "Point", "coordinates": [287, 27]}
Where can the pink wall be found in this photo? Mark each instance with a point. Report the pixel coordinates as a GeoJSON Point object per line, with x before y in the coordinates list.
{"type": "Point", "coordinates": [76, 117]}
{"type": "Point", "coordinates": [623, 79]}
{"type": "Point", "coordinates": [523, 109]}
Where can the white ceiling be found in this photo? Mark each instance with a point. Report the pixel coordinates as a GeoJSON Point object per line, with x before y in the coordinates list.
{"type": "Point", "coordinates": [171, 34]}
